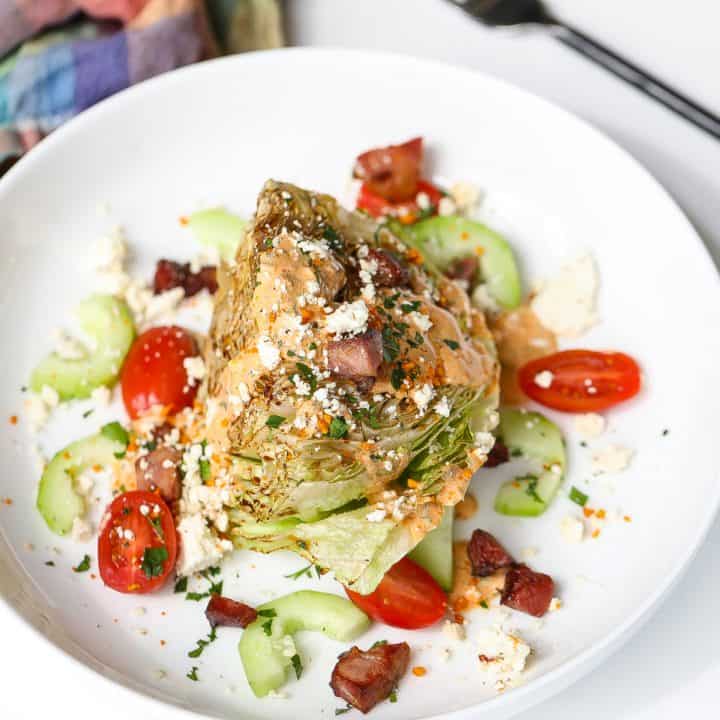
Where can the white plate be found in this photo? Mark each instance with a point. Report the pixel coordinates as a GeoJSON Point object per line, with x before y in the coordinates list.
{"type": "Point", "coordinates": [213, 133]}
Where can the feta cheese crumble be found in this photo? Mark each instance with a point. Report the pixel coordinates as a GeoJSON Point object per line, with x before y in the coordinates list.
{"type": "Point", "coordinates": [611, 459]}
{"type": "Point", "coordinates": [422, 397]}
{"type": "Point", "coordinates": [566, 304]}
{"type": "Point", "coordinates": [195, 369]}
{"type": "Point", "coordinates": [269, 353]}
{"type": "Point", "coordinates": [572, 529]}
{"type": "Point", "coordinates": [544, 379]}
{"type": "Point", "coordinates": [200, 547]}
{"type": "Point", "coordinates": [348, 319]}
{"type": "Point", "coordinates": [589, 425]}
{"type": "Point", "coordinates": [502, 656]}
{"type": "Point", "coordinates": [81, 530]}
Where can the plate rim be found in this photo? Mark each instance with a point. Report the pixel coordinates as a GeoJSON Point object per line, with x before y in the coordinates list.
{"type": "Point", "coordinates": [556, 679]}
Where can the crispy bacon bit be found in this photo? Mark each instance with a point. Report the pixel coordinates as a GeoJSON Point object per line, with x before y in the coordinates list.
{"type": "Point", "coordinates": [357, 357]}
{"type": "Point", "coordinates": [528, 591]}
{"type": "Point", "coordinates": [170, 274]}
{"type": "Point", "coordinates": [498, 455]}
{"type": "Point", "coordinates": [231, 613]}
{"type": "Point", "coordinates": [390, 271]}
{"type": "Point", "coordinates": [392, 172]}
{"type": "Point", "coordinates": [486, 554]}
{"type": "Point", "coordinates": [364, 678]}
{"type": "Point", "coordinates": [159, 470]}
{"type": "Point", "coordinates": [463, 269]}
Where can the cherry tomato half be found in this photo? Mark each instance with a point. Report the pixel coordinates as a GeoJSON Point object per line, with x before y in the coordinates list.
{"type": "Point", "coordinates": [407, 597]}
{"type": "Point", "coordinates": [407, 211]}
{"type": "Point", "coordinates": [137, 546]}
{"type": "Point", "coordinates": [392, 173]}
{"type": "Point", "coordinates": [582, 380]}
{"type": "Point", "coordinates": [154, 374]}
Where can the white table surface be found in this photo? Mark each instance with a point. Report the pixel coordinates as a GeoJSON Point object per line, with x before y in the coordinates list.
{"type": "Point", "coordinates": [672, 665]}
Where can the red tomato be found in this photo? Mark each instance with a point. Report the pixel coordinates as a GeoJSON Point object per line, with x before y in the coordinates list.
{"type": "Point", "coordinates": [153, 373]}
{"type": "Point", "coordinates": [392, 172]}
{"type": "Point", "coordinates": [407, 211]}
{"type": "Point", "coordinates": [137, 546]}
{"type": "Point", "coordinates": [582, 380]}
{"type": "Point", "coordinates": [407, 597]}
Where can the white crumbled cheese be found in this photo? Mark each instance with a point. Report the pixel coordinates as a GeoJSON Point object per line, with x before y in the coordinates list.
{"type": "Point", "coordinates": [101, 396]}
{"type": "Point", "coordinates": [422, 397]}
{"type": "Point", "coordinates": [81, 530]}
{"type": "Point", "coordinates": [555, 604]}
{"type": "Point", "coordinates": [611, 459]}
{"type": "Point", "coordinates": [454, 630]}
{"type": "Point", "coordinates": [442, 407]}
{"type": "Point", "coordinates": [447, 206]}
{"type": "Point", "coordinates": [84, 484]}
{"type": "Point", "coordinates": [36, 412]}
{"type": "Point", "coordinates": [483, 300]}
{"type": "Point", "coordinates": [49, 396]}
{"type": "Point", "coordinates": [484, 442]}
{"type": "Point", "coordinates": [137, 297]}
{"type": "Point", "coordinates": [566, 304]}
{"type": "Point", "coordinates": [109, 252]}
{"type": "Point", "coordinates": [277, 695]}
{"type": "Point", "coordinates": [589, 425]}
{"type": "Point", "coordinates": [301, 387]}
{"type": "Point", "coordinates": [200, 547]}
{"type": "Point", "coordinates": [314, 247]}
{"type": "Point", "coordinates": [423, 200]}
{"type": "Point", "coordinates": [423, 322]}
{"type": "Point", "coordinates": [544, 379]}
{"type": "Point", "coordinates": [572, 529]}
{"type": "Point", "coordinates": [67, 347]}
{"type": "Point", "coordinates": [162, 304]}
{"type": "Point", "coordinates": [348, 319]}
{"type": "Point", "coordinates": [376, 515]}
{"type": "Point", "coordinates": [195, 369]}
{"type": "Point", "coordinates": [287, 646]}
{"type": "Point", "coordinates": [139, 611]}
{"type": "Point", "coordinates": [269, 353]}
{"type": "Point", "coordinates": [466, 196]}
{"type": "Point", "coordinates": [502, 656]}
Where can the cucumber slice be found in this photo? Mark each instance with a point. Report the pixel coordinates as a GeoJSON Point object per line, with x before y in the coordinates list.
{"type": "Point", "coordinates": [57, 500]}
{"type": "Point", "coordinates": [540, 441]}
{"type": "Point", "coordinates": [442, 240]}
{"type": "Point", "coordinates": [435, 551]}
{"type": "Point", "coordinates": [261, 647]}
{"type": "Point", "coordinates": [218, 228]}
{"type": "Point", "coordinates": [109, 324]}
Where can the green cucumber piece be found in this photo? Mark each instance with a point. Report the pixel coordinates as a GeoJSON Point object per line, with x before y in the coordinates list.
{"type": "Point", "coordinates": [57, 499]}
{"type": "Point", "coordinates": [537, 439]}
{"type": "Point", "coordinates": [109, 324]}
{"type": "Point", "coordinates": [435, 551]}
{"type": "Point", "coordinates": [261, 647]}
{"type": "Point", "coordinates": [218, 228]}
{"type": "Point", "coordinates": [444, 239]}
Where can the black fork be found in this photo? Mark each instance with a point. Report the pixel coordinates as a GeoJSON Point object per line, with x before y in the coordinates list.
{"type": "Point", "coordinates": [496, 13]}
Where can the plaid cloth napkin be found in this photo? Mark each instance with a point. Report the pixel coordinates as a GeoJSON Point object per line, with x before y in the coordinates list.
{"type": "Point", "coordinates": [58, 57]}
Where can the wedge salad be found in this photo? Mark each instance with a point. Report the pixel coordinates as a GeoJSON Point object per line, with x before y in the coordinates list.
{"type": "Point", "coordinates": [361, 365]}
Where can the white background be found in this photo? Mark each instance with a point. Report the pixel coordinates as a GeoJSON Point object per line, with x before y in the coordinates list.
{"type": "Point", "coordinates": [672, 665]}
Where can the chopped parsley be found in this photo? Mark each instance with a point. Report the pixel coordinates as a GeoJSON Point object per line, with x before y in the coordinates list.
{"type": "Point", "coordinates": [297, 665]}
{"type": "Point", "coordinates": [307, 375]}
{"type": "Point", "coordinates": [50, 563]}
{"type": "Point", "coordinates": [275, 421]}
{"type": "Point", "coordinates": [396, 377]}
{"type": "Point", "coordinates": [391, 348]}
{"type": "Point", "coordinates": [578, 496]}
{"type": "Point", "coordinates": [410, 306]}
{"type": "Point", "coordinates": [150, 445]}
{"type": "Point", "coordinates": [531, 489]}
{"type": "Point", "coordinates": [516, 452]}
{"type": "Point", "coordinates": [300, 573]}
{"type": "Point", "coordinates": [338, 428]}
{"type": "Point", "coordinates": [378, 643]}
{"type": "Point", "coordinates": [665, 432]}
{"type": "Point", "coordinates": [181, 585]}
{"type": "Point", "coordinates": [393, 696]}
{"type": "Point", "coordinates": [192, 675]}
{"type": "Point", "coordinates": [205, 473]}
{"type": "Point", "coordinates": [196, 596]}
{"type": "Point", "coordinates": [84, 565]}
{"type": "Point", "coordinates": [342, 711]}
{"type": "Point", "coordinates": [88, 413]}
{"type": "Point", "coordinates": [332, 236]}
{"type": "Point", "coordinates": [267, 627]}
{"type": "Point", "coordinates": [157, 527]}
{"type": "Point", "coordinates": [153, 561]}
{"type": "Point", "coordinates": [452, 344]}
{"type": "Point", "coordinates": [117, 433]}
{"type": "Point", "coordinates": [267, 612]}
{"type": "Point", "coordinates": [390, 300]}
{"type": "Point", "coordinates": [202, 644]}
{"type": "Point", "coordinates": [483, 604]}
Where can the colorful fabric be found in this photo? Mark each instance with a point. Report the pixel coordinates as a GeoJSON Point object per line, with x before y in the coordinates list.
{"type": "Point", "coordinates": [59, 57]}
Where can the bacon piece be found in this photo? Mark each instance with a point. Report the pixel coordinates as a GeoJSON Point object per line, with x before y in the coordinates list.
{"type": "Point", "coordinates": [364, 678]}
{"type": "Point", "coordinates": [231, 613]}
{"type": "Point", "coordinates": [392, 172]}
{"type": "Point", "coordinates": [463, 269]}
{"type": "Point", "coordinates": [498, 455]}
{"type": "Point", "coordinates": [170, 274]}
{"type": "Point", "coordinates": [527, 591]}
{"type": "Point", "coordinates": [159, 470]}
{"type": "Point", "coordinates": [486, 554]}
{"type": "Point", "coordinates": [390, 271]}
{"type": "Point", "coordinates": [356, 357]}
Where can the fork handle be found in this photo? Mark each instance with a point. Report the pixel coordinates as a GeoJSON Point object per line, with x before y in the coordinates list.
{"type": "Point", "coordinates": [639, 78]}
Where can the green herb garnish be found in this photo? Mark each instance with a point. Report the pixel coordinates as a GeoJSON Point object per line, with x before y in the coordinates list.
{"type": "Point", "coordinates": [153, 560]}
{"type": "Point", "coordinates": [297, 665]}
{"type": "Point", "coordinates": [452, 344]}
{"type": "Point", "coordinates": [50, 563]}
{"type": "Point", "coordinates": [204, 465]}
{"type": "Point", "coordinates": [396, 377]}
{"type": "Point", "coordinates": [84, 565]}
{"type": "Point", "coordinates": [307, 375]}
{"type": "Point", "coordinates": [393, 696]}
{"type": "Point", "coordinates": [531, 489]}
{"type": "Point", "coordinates": [338, 428]}
{"type": "Point", "coordinates": [298, 574]}
{"type": "Point", "coordinates": [578, 496]}
{"type": "Point", "coordinates": [196, 596]}
{"type": "Point", "coordinates": [192, 675]}
{"type": "Point", "coordinates": [181, 585]}
{"type": "Point", "coordinates": [88, 413]}
{"type": "Point", "coordinates": [116, 432]}
{"type": "Point", "coordinates": [202, 644]}
{"type": "Point", "coordinates": [267, 627]}
{"type": "Point", "coordinates": [378, 643]}
{"type": "Point", "coordinates": [410, 307]}
{"type": "Point", "coordinates": [342, 711]}
{"type": "Point", "coordinates": [275, 421]}
{"type": "Point", "coordinates": [267, 612]}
